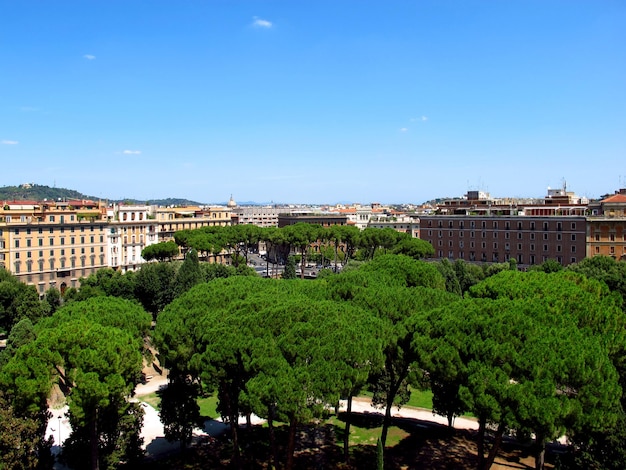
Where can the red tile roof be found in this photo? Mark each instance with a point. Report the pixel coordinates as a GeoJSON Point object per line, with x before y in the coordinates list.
{"type": "Point", "coordinates": [619, 198]}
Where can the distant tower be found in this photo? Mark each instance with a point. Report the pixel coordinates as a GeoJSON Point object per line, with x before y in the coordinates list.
{"type": "Point", "coordinates": [231, 202]}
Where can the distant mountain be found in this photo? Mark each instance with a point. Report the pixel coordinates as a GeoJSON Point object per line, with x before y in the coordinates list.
{"type": "Point", "coordinates": [36, 192]}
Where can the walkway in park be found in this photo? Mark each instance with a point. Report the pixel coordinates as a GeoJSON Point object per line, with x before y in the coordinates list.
{"type": "Point", "coordinates": [156, 446]}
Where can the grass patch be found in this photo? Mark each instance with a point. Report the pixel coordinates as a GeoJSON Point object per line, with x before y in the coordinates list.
{"type": "Point", "coordinates": [208, 407]}
{"type": "Point", "coordinates": [421, 399]}
{"type": "Point", "coordinates": [152, 399]}
{"type": "Point", "coordinates": [365, 430]}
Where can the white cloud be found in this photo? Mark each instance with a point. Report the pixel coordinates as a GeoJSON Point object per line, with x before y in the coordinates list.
{"type": "Point", "coordinates": [89, 57]}
{"type": "Point", "coordinates": [259, 23]}
{"type": "Point", "coordinates": [404, 129]}
{"type": "Point", "coordinates": [131, 152]}
{"type": "Point", "coordinates": [424, 118]}
{"type": "Point", "coordinates": [10, 142]}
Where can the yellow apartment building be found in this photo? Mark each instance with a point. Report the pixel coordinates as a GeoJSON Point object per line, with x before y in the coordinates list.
{"type": "Point", "coordinates": [52, 244]}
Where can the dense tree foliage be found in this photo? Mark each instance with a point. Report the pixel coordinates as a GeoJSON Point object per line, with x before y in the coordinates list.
{"type": "Point", "coordinates": [94, 350]}
{"type": "Point", "coordinates": [17, 301]}
{"type": "Point", "coordinates": [161, 251]}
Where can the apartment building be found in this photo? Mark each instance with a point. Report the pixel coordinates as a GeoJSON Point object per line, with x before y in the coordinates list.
{"type": "Point", "coordinates": [52, 244]}
{"type": "Point", "coordinates": [402, 223]}
{"type": "Point", "coordinates": [527, 239]}
{"type": "Point", "coordinates": [170, 220]}
{"type": "Point", "coordinates": [55, 243]}
{"type": "Point", "coordinates": [606, 227]}
{"type": "Point", "coordinates": [562, 226]}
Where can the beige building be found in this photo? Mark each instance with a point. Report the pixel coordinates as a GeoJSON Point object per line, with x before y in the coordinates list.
{"type": "Point", "coordinates": [52, 244]}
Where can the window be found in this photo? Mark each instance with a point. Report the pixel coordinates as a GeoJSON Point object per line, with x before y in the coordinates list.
{"type": "Point", "coordinates": [545, 236]}
{"type": "Point", "coordinates": [507, 235]}
{"type": "Point", "coordinates": [17, 231]}
{"type": "Point", "coordinates": [545, 225]}
{"type": "Point", "coordinates": [532, 225]}
{"type": "Point", "coordinates": [573, 225]}
{"type": "Point", "coordinates": [597, 250]}
{"type": "Point", "coordinates": [519, 247]}
{"type": "Point", "coordinates": [559, 226]}
{"type": "Point", "coordinates": [573, 237]}
{"type": "Point", "coordinates": [51, 218]}
{"type": "Point", "coordinates": [495, 245]}
{"type": "Point", "coordinates": [507, 225]}
{"type": "Point", "coordinates": [573, 248]}
{"type": "Point", "coordinates": [495, 234]}
{"type": "Point", "coordinates": [483, 224]}
{"type": "Point", "coordinates": [611, 237]}
{"type": "Point", "coordinates": [545, 247]}
{"type": "Point", "coordinates": [532, 236]}
{"type": "Point", "coordinates": [62, 252]}
{"type": "Point", "coordinates": [532, 247]}
{"type": "Point", "coordinates": [40, 242]}
{"type": "Point", "coordinates": [519, 226]}
{"type": "Point", "coordinates": [519, 235]}
{"type": "Point", "coordinates": [495, 224]}
{"type": "Point", "coordinates": [558, 237]}
{"type": "Point", "coordinates": [17, 243]}
{"type": "Point", "coordinates": [62, 240]}
{"type": "Point", "coordinates": [51, 240]}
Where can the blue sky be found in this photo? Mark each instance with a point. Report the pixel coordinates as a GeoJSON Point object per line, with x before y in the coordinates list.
{"type": "Point", "coordinates": [313, 101]}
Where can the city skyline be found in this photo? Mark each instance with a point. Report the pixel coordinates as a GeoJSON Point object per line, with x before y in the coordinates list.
{"type": "Point", "coordinates": [402, 101]}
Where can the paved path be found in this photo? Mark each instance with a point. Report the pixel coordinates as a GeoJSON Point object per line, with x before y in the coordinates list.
{"type": "Point", "coordinates": [157, 446]}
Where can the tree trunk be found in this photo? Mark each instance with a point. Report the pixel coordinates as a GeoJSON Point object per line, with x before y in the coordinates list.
{"type": "Point", "coordinates": [273, 446]}
{"type": "Point", "coordinates": [93, 441]}
{"type": "Point", "coordinates": [291, 443]}
{"type": "Point", "coordinates": [482, 424]}
{"type": "Point", "coordinates": [346, 436]}
{"type": "Point", "coordinates": [235, 438]}
{"type": "Point", "coordinates": [540, 455]}
{"type": "Point", "coordinates": [386, 422]}
{"type": "Point", "coordinates": [495, 447]}
{"type": "Point", "coordinates": [302, 263]}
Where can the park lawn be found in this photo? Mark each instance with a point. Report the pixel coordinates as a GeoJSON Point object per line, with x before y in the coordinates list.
{"type": "Point", "coordinates": [366, 435]}
{"type": "Point", "coordinates": [208, 405]}
{"type": "Point", "coordinates": [421, 399]}
{"type": "Point", "coordinates": [152, 399]}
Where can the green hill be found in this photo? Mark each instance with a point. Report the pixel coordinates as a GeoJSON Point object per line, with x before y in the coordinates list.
{"type": "Point", "coordinates": [36, 192]}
